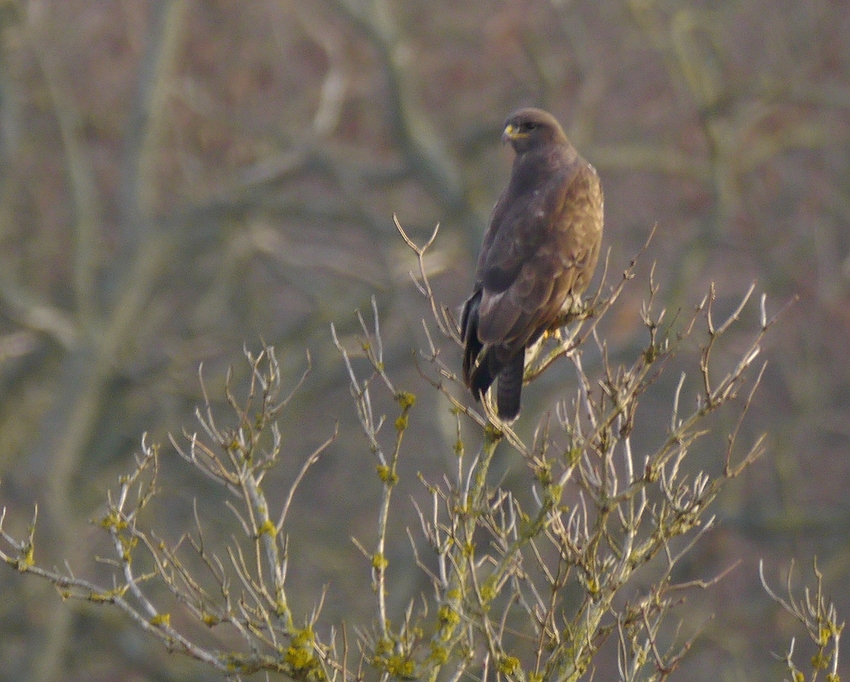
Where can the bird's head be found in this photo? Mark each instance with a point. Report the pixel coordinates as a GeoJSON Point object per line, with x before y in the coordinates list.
{"type": "Point", "coordinates": [528, 129]}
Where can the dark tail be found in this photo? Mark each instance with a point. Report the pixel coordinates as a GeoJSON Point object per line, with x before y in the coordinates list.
{"type": "Point", "coordinates": [484, 374]}
{"type": "Point", "coordinates": [509, 390]}
{"type": "Point", "coordinates": [469, 335]}
{"type": "Point", "coordinates": [495, 362]}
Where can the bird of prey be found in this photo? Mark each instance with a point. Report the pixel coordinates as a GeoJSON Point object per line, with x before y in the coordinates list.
{"type": "Point", "coordinates": [538, 256]}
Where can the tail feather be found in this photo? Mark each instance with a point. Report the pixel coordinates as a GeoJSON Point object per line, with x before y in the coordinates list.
{"type": "Point", "coordinates": [509, 390]}
{"type": "Point", "coordinates": [483, 365]}
{"type": "Point", "coordinates": [469, 335]}
{"type": "Point", "coordinates": [484, 374]}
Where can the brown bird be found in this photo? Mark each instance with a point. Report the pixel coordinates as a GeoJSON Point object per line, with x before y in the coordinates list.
{"type": "Point", "coordinates": [538, 256]}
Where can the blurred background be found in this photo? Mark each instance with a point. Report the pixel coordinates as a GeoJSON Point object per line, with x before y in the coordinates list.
{"type": "Point", "coordinates": [179, 178]}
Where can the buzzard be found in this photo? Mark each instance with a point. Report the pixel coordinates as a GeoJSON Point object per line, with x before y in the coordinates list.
{"type": "Point", "coordinates": [538, 256]}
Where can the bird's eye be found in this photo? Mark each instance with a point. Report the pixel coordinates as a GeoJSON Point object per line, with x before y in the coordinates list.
{"type": "Point", "coordinates": [530, 125]}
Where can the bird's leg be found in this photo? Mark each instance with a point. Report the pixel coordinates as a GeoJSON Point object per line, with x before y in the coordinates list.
{"type": "Point", "coordinates": [580, 308]}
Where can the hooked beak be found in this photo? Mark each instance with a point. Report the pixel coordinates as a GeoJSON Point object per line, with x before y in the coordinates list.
{"type": "Point", "coordinates": [509, 133]}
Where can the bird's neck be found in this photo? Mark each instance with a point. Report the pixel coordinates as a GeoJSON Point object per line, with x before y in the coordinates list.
{"type": "Point", "coordinates": [535, 165]}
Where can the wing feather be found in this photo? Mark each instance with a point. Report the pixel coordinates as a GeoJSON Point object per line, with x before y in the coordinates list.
{"type": "Point", "coordinates": [544, 248]}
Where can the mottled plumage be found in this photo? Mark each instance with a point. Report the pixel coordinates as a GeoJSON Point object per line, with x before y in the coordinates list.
{"type": "Point", "coordinates": [538, 255]}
